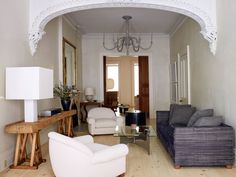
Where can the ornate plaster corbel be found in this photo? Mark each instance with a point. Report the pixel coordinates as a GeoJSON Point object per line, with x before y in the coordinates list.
{"type": "Point", "coordinates": [34, 38]}
{"type": "Point", "coordinates": [211, 37]}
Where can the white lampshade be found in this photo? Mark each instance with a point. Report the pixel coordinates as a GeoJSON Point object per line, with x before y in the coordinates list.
{"type": "Point", "coordinates": [29, 84]}
{"type": "Point", "coordinates": [89, 91]}
{"type": "Point", "coordinates": [110, 83]}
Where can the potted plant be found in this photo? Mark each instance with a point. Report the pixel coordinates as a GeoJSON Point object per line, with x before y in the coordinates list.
{"type": "Point", "coordinates": [65, 93]}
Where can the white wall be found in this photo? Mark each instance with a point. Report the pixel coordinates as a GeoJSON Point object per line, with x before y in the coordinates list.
{"type": "Point", "coordinates": [14, 51]}
{"type": "Point", "coordinates": [92, 68]}
{"type": "Point", "coordinates": [213, 77]}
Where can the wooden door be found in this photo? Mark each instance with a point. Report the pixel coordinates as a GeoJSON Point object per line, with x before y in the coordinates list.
{"type": "Point", "coordinates": [143, 84]}
{"type": "Point", "coordinates": [104, 77]}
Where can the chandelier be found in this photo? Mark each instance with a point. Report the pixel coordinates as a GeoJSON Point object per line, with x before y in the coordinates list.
{"type": "Point", "coordinates": [126, 41]}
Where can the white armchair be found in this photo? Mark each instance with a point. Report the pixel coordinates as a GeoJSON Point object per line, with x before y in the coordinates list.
{"type": "Point", "coordinates": [103, 121]}
{"type": "Point", "coordinates": [81, 157]}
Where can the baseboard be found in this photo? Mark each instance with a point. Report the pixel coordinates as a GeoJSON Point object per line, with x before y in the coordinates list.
{"type": "Point", "coordinates": [4, 171]}
{"type": "Point", "coordinates": [6, 159]}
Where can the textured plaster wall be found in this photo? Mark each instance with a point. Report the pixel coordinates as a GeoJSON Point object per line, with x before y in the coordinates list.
{"type": "Point", "coordinates": [213, 77]}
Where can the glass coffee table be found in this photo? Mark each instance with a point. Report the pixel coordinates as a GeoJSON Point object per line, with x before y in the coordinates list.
{"type": "Point", "coordinates": [139, 135]}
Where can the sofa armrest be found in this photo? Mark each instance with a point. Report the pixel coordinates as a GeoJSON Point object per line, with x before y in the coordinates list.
{"type": "Point", "coordinates": [86, 139]}
{"type": "Point", "coordinates": [110, 153]}
{"type": "Point", "coordinates": [90, 120]}
{"type": "Point", "coordinates": [162, 117]}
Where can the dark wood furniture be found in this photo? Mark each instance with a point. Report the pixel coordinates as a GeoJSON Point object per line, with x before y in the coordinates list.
{"type": "Point", "coordinates": [30, 131]}
{"type": "Point", "coordinates": [83, 107]}
{"type": "Point", "coordinates": [111, 100]}
{"type": "Point", "coordinates": [143, 84]}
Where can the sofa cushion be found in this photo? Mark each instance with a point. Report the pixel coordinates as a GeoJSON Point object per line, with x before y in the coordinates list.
{"type": "Point", "coordinates": [208, 121]}
{"type": "Point", "coordinates": [181, 114]}
{"type": "Point", "coordinates": [172, 107]}
{"type": "Point", "coordinates": [105, 123]}
{"type": "Point", "coordinates": [198, 114]}
{"type": "Point", "coordinates": [94, 147]}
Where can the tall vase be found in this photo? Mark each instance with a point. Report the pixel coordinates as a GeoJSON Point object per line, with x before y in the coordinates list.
{"type": "Point", "coordinates": [66, 104]}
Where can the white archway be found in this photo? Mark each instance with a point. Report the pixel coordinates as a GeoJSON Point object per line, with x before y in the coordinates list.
{"type": "Point", "coordinates": [42, 11]}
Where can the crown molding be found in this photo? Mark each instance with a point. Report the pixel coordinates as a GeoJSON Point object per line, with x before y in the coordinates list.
{"type": "Point", "coordinates": [70, 22]}
{"type": "Point", "coordinates": [202, 12]}
{"type": "Point", "coordinates": [177, 25]}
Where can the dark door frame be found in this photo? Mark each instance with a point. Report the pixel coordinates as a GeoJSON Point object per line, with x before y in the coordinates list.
{"type": "Point", "coordinates": [104, 79]}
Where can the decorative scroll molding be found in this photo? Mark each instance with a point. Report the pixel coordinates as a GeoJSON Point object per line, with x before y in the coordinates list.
{"type": "Point", "coordinates": [208, 28]}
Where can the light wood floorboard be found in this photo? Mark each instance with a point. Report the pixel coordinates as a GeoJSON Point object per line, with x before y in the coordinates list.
{"type": "Point", "coordinates": [139, 164]}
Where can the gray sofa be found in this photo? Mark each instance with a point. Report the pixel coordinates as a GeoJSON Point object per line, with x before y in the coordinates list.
{"type": "Point", "coordinates": [196, 146]}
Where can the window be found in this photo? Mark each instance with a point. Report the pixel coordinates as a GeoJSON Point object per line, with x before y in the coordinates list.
{"type": "Point", "coordinates": [136, 79]}
{"type": "Point", "coordinates": [113, 73]}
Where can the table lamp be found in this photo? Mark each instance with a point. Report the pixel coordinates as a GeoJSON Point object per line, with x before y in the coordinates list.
{"type": "Point", "coordinates": [29, 84]}
{"type": "Point", "coordinates": [89, 92]}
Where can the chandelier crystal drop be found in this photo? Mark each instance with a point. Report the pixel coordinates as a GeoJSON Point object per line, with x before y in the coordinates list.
{"type": "Point", "coordinates": [126, 41]}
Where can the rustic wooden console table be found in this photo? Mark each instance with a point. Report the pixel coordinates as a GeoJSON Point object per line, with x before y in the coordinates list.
{"type": "Point", "coordinates": [30, 130]}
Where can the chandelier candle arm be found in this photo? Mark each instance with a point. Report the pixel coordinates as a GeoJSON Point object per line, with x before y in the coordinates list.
{"type": "Point", "coordinates": [150, 45]}
{"type": "Point", "coordinates": [126, 40]}
{"type": "Point", "coordinates": [104, 45]}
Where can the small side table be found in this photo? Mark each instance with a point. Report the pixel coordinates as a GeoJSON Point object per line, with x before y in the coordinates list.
{"type": "Point", "coordinates": [83, 106]}
{"type": "Point", "coordinates": [135, 117]}
{"type": "Point", "coordinates": [123, 108]}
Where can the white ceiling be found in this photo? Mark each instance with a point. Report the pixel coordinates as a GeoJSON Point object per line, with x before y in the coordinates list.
{"type": "Point", "coordinates": [109, 20]}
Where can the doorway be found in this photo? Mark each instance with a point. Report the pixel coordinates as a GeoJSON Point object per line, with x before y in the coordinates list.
{"type": "Point", "coordinates": [126, 81]}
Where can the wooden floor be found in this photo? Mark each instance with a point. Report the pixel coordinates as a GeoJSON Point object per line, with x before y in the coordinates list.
{"type": "Point", "coordinates": [139, 164]}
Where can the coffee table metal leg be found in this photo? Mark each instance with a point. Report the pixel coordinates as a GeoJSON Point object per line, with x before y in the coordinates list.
{"type": "Point", "coordinates": [126, 140]}
{"type": "Point", "coordinates": [144, 143]}
{"type": "Point", "coordinates": [148, 145]}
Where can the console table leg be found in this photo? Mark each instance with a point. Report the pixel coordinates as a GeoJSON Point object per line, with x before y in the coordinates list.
{"type": "Point", "coordinates": [17, 150]}
{"type": "Point", "coordinates": [33, 149]}
{"type": "Point", "coordinates": [148, 145]}
{"type": "Point", "coordinates": [70, 127]}
{"type": "Point", "coordinates": [23, 148]}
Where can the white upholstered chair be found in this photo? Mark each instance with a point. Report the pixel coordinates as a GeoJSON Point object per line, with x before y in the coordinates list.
{"type": "Point", "coordinates": [81, 157]}
{"type": "Point", "coordinates": [103, 121]}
